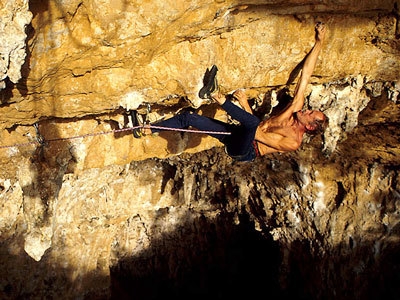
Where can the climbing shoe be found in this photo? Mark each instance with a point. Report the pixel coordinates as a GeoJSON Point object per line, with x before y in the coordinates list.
{"type": "Point", "coordinates": [210, 84]}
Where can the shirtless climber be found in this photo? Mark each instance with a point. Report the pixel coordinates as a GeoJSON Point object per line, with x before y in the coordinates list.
{"type": "Point", "coordinates": [252, 137]}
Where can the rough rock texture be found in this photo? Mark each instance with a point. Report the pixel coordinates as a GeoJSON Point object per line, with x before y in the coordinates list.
{"type": "Point", "coordinates": [89, 212]}
{"type": "Point", "coordinates": [15, 15]}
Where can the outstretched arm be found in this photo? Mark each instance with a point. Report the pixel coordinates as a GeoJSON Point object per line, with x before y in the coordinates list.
{"type": "Point", "coordinates": [308, 67]}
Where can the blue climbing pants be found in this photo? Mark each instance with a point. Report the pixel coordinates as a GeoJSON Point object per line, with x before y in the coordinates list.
{"type": "Point", "coordinates": [238, 145]}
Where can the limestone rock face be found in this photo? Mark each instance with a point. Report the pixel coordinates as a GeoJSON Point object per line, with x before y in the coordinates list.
{"type": "Point", "coordinates": [90, 212]}
{"type": "Point", "coordinates": [15, 16]}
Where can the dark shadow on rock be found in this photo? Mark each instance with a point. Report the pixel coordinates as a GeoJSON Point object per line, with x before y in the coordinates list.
{"type": "Point", "coordinates": [21, 277]}
{"type": "Point", "coordinates": [208, 259]}
{"type": "Point", "coordinates": [49, 162]}
{"type": "Point", "coordinates": [7, 93]}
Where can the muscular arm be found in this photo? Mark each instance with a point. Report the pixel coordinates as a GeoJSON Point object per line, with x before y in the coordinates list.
{"type": "Point", "coordinates": [308, 68]}
{"type": "Point", "coordinates": [306, 72]}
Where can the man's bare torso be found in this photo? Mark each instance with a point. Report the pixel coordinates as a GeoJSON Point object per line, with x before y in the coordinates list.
{"type": "Point", "coordinates": [277, 126]}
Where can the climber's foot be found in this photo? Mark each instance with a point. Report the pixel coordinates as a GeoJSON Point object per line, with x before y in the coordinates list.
{"type": "Point", "coordinates": [210, 84]}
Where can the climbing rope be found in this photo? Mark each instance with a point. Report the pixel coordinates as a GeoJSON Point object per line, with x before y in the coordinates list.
{"type": "Point", "coordinates": [40, 140]}
{"type": "Point", "coordinates": [186, 130]}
